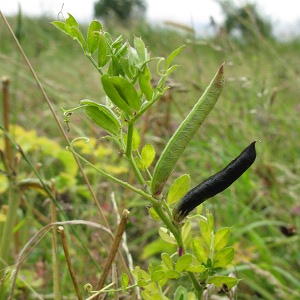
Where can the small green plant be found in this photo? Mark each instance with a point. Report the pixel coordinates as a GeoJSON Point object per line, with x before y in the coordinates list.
{"type": "Point", "coordinates": [203, 255]}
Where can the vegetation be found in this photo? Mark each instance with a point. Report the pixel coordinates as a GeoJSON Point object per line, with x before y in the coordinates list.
{"type": "Point", "coordinates": [124, 10]}
{"type": "Point", "coordinates": [245, 21]}
{"type": "Point", "coordinates": [259, 102]}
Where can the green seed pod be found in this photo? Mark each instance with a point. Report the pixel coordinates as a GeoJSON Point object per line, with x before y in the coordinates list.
{"type": "Point", "coordinates": [214, 184]}
{"type": "Point", "coordinates": [185, 132]}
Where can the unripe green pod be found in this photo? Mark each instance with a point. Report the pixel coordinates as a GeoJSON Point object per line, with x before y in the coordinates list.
{"type": "Point", "coordinates": [214, 184]}
{"type": "Point", "coordinates": [185, 132]}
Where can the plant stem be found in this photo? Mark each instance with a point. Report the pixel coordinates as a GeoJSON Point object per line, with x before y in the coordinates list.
{"type": "Point", "coordinates": [5, 92]}
{"type": "Point", "coordinates": [56, 281]}
{"type": "Point", "coordinates": [67, 255]}
{"type": "Point", "coordinates": [13, 195]}
{"type": "Point", "coordinates": [146, 107]}
{"type": "Point", "coordinates": [130, 156]}
{"type": "Point", "coordinates": [114, 248]}
{"type": "Point", "coordinates": [13, 205]}
{"type": "Point", "coordinates": [110, 177]}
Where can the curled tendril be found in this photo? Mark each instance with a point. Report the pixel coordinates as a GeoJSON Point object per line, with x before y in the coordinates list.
{"type": "Point", "coordinates": [81, 138]}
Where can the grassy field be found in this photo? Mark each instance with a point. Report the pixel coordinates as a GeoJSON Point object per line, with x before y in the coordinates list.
{"type": "Point", "coordinates": [260, 102]}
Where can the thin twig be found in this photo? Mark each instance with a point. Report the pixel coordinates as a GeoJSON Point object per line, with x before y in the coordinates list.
{"type": "Point", "coordinates": [56, 281]}
{"type": "Point", "coordinates": [125, 248]}
{"type": "Point", "coordinates": [114, 276]}
{"type": "Point", "coordinates": [69, 263]}
{"type": "Point", "coordinates": [114, 248]}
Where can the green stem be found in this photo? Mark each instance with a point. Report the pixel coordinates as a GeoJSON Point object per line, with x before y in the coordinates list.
{"type": "Point", "coordinates": [129, 139]}
{"type": "Point", "coordinates": [94, 63]}
{"type": "Point", "coordinates": [157, 205]}
{"type": "Point", "coordinates": [146, 107]}
{"type": "Point", "coordinates": [13, 205]}
{"type": "Point", "coordinates": [119, 181]}
{"type": "Point", "coordinates": [130, 156]}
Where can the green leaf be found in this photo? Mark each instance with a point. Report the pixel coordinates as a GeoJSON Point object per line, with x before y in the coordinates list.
{"type": "Point", "coordinates": [71, 21]}
{"type": "Point", "coordinates": [102, 116]}
{"type": "Point", "coordinates": [219, 281]}
{"type": "Point", "coordinates": [135, 139]}
{"type": "Point", "coordinates": [223, 258]}
{"type": "Point", "coordinates": [166, 235]}
{"type": "Point", "coordinates": [139, 273]}
{"type": "Point", "coordinates": [103, 50]}
{"type": "Point", "coordinates": [132, 55]}
{"type": "Point", "coordinates": [199, 209]}
{"type": "Point", "coordinates": [196, 268]}
{"type": "Point", "coordinates": [115, 68]}
{"type": "Point", "coordinates": [221, 238]}
{"type": "Point", "coordinates": [125, 281]}
{"type": "Point", "coordinates": [172, 274]}
{"type": "Point", "coordinates": [150, 295]}
{"type": "Point", "coordinates": [61, 26]}
{"type": "Point", "coordinates": [200, 250]}
{"type": "Point", "coordinates": [93, 36]}
{"type": "Point", "coordinates": [183, 262]}
{"type": "Point", "coordinates": [142, 283]}
{"type": "Point", "coordinates": [147, 156]}
{"type": "Point", "coordinates": [205, 232]}
{"type": "Point", "coordinates": [185, 132]}
{"type": "Point", "coordinates": [192, 296]}
{"type": "Point", "coordinates": [179, 188]}
{"type": "Point", "coordinates": [114, 95]}
{"type": "Point", "coordinates": [157, 275]}
{"type": "Point", "coordinates": [76, 34]}
{"type": "Point", "coordinates": [145, 83]}
{"type": "Point", "coordinates": [153, 214]}
{"type": "Point", "coordinates": [210, 220]}
{"type": "Point", "coordinates": [172, 56]}
{"type": "Point", "coordinates": [167, 260]}
{"type": "Point", "coordinates": [140, 49]}
{"type": "Point", "coordinates": [126, 91]}
{"type": "Point", "coordinates": [186, 230]}
{"type": "Point", "coordinates": [129, 70]}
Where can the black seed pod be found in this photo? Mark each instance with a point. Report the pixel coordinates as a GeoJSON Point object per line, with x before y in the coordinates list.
{"type": "Point", "coordinates": [214, 184]}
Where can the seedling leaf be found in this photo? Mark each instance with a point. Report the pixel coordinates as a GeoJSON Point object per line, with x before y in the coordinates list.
{"type": "Point", "coordinates": [179, 188]}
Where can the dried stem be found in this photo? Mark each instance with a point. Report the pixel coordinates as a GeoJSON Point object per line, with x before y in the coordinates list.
{"type": "Point", "coordinates": [56, 282]}
{"type": "Point", "coordinates": [114, 249]}
{"type": "Point", "coordinates": [71, 270]}
{"type": "Point", "coordinates": [6, 111]}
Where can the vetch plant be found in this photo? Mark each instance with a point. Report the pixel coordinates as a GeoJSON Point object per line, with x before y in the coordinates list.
{"type": "Point", "coordinates": [126, 81]}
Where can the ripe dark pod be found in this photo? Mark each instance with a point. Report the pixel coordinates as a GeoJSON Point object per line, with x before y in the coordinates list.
{"type": "Point", "coordinates": [214, 184]}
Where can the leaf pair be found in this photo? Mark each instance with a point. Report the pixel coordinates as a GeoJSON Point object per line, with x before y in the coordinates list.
{"type": "Point", "coordinates": [122, 93]}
